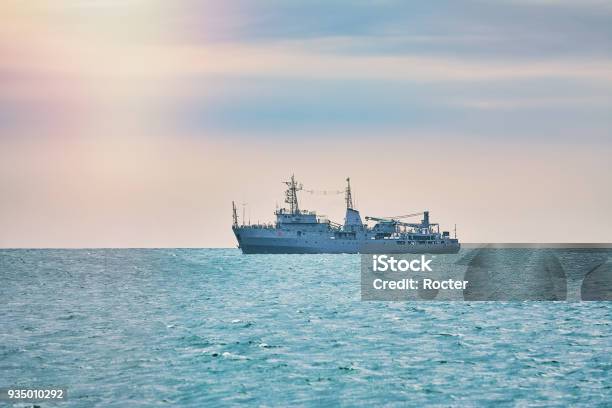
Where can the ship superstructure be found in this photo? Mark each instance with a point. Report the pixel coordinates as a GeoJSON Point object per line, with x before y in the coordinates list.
{"type": "Point", "coordinates": [299, 231]}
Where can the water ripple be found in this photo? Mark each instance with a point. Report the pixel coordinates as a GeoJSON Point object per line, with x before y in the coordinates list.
{"type": "Point", "coordinates": [213, 327]}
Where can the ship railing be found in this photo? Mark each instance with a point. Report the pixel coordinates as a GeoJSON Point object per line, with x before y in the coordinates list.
{"type": "Point", "coordinates": [284, 211]}
{"type": "Point", "coordinates": [259, 226]}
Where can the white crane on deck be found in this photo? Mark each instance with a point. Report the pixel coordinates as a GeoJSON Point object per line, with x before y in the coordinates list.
{"type": "Point", "coordinates": [424, 224]}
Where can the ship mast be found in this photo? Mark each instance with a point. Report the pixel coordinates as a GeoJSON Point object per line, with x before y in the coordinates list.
{"type": "Point", "coordinates": [291, 195]}
{"type": "Point", "coordinates": [234, 215]}
{"type": "Point", "coordinates": [348, 196]}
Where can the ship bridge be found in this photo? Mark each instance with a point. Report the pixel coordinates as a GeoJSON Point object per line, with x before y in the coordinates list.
{"type": "Point", "coordinates": [283, 216]}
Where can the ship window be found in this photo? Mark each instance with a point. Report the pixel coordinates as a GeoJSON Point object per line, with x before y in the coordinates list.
{"type": "Point", "coordinates": [299, 233]}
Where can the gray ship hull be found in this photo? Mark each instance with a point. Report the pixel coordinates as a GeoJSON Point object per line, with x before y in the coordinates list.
{"type": "Point", "coordinates": [278, 249]}
{"type": "Point", "coordinates": [275, 241]}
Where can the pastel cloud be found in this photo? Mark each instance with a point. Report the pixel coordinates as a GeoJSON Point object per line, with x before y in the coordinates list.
{"type": "Point", "coordinates": [119, 115]}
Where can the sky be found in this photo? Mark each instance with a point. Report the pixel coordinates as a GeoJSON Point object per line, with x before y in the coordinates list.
{"type": "Point", "coordinates": [135, 123]}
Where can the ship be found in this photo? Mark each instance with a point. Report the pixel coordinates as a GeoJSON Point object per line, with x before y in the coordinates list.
{"type": "Point", "coordinates": [298, 231]}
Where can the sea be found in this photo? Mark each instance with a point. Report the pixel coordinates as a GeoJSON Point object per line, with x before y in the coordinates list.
{"type": "Point", "coordinates": [213, 327]}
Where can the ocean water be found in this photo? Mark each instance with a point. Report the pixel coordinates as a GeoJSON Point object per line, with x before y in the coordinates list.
{"type": "Point", "coordinates": [213, 327]}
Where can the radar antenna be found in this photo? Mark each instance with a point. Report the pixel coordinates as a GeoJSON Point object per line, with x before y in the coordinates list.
{"type": "Point", "coordinates": [349, 197]}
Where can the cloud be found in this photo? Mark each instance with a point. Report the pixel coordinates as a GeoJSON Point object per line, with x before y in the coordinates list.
{"type": "Point", "coordinates": [297, 60]}
{"type": "Point", "coordinates": [590, 102]}
{"type": "Point", "coordinates": [505, 29]}
{"type": "Point", "coordinates": [599, 5]}
{"type": "Point", "coordinates": [145, 101]}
